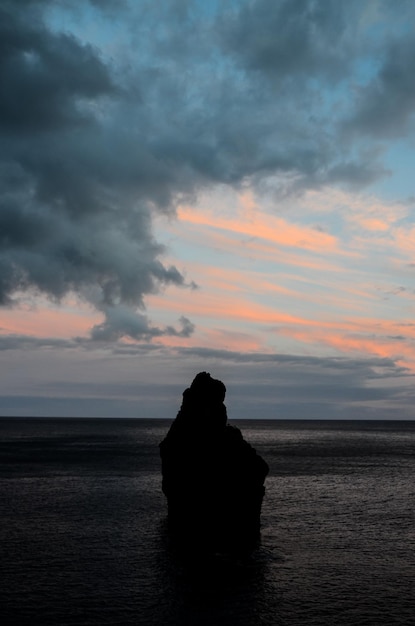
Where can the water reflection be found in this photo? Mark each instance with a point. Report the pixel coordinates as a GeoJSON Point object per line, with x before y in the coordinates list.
{"type": "Point", "coordinates": [215, 589]}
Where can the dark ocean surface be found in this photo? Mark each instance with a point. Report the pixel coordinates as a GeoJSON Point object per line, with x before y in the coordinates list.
{"type": "Point", "coordinates": [83, 536]}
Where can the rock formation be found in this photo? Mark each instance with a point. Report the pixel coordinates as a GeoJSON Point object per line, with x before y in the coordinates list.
{"type": "Point", "coordinates": [212, 478]}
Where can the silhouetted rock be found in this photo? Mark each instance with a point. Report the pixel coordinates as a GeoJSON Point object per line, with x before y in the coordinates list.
{"type": "Point", "coordinates": [212, 478]}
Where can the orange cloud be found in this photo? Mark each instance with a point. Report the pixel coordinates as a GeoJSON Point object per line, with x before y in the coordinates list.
{"type": "Point", "coordinates": [224, 339]}
{"type": "Point", "coordinates": [235, 280]}
{"type": "Point", "coordinates": [340, 337]}
{"type": "Point", "coordinates": [373, 224]}
{"type": "Point", "coordinates": [256, 284]}
{"type": "Point", "coordinates": [267, 227]}
{"type": "Point", "coordinates": [250, 247]}
{"type": "Point", "coordinates": [220, 306]}
{"type": "Point", "coordinates": [44, 322]}
{"type": "Point", "coordinates": [405, 241]}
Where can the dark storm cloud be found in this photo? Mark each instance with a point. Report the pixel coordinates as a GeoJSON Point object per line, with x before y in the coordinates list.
{"type": "Point", "coordinates": [97, 136]}
{"type": "Point", "coordinates": [42, 75]}
{"type": "Point", "coordinates": [75, 188]}
{"type": "Point", "coordinates": [287, 39]}
{"type": "Point", "coordinates": [385, 106]}
{"type": "Point", "coordinates": [331, 75]}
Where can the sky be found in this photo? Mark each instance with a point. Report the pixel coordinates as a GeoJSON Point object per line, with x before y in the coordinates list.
{"type": "Point", "coordinates": [194, 185]}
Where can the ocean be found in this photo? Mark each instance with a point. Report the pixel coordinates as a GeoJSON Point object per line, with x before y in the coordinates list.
{"type": "Point", "coordinates": [83, 534]}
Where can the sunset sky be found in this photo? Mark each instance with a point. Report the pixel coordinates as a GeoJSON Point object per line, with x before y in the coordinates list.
{"type": "Point", "coordinates": [206, 185]}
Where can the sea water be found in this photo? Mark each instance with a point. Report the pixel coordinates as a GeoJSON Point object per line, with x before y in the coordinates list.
{"type": "Point", "coordinates": [83, 535]}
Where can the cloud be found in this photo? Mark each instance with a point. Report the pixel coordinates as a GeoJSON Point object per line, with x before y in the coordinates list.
{"type": "Point", "coordinates": [75, 212]}
{"type": "Point", "coordinates": [385, 106]}
{"type": "Point", "coordinates": [60, 380]}
{"type": "Point", "coordinates": [27, 342]}
{"type": "Point", "coordinates": [316, 40]}
{"type": "Point", "coordinates": [122, 321]}
{"type": "Point", "coordinates": [270, 228]}
{"type": "Point", "coordinates": [47, 78]}
{"type": "Point", "coordinates": [103, 128]}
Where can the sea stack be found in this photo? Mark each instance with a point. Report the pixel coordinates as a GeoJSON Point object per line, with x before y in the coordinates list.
{"type": "Point", "coordinates": [212, 478]}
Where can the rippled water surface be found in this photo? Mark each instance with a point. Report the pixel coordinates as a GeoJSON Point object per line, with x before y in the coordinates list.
{"type": "Point", "coordinates": [83, 537]}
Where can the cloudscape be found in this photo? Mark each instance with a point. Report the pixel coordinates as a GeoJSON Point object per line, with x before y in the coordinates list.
{"type": "Point", "coordinates": [219, 186]}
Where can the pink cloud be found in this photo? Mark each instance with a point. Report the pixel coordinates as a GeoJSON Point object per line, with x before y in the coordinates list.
{"type": "Point", "coordinates": [268, 227]}
{"type": "Point", "coordinates": [251, 247]}
{"type": "Point", "coordinates": [354, 337]}
{"type": "Point", "coordinates": [47, 322]}
{"type": "Point", "coordinates": [222, 338]}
